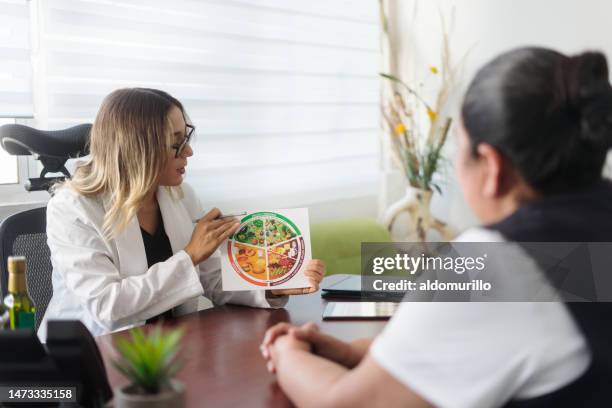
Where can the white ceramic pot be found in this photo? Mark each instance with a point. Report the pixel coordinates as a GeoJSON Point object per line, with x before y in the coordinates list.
{"type": "Point", "coordinates": [170, 398]}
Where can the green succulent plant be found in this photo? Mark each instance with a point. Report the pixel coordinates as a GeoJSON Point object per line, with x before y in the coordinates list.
{"type": "Point", "coordinates": [150, 360]}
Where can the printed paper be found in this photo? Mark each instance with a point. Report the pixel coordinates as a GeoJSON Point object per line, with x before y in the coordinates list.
{"type": "Point", "coordinates": [269, 250]}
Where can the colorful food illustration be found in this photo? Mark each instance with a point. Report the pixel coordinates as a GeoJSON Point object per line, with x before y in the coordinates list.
{"type": "Point", "coordinates": [251, 233]}
{"type": "Point", "coordinates": [251, 260]}
{"type": "Point", "coordinates": [279, 265]}
{"type": "Point", "coordinates": [289, 249]}
{"type": "Point", "coordinates": [267, 249]}
{"type": "Point", "coordinates": [277, 231]}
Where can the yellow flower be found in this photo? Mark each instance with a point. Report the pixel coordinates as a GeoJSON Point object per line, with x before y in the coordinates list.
{"type": "Point", "coordinates": [433, 69]}
{"type": "Point", "coordinates": [432, 114]}
{"type": "Point", "coordinates": [400, 129]}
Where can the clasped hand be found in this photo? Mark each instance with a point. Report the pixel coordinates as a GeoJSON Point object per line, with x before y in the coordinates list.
{"type": "Point", "coordinates": [284, 337]}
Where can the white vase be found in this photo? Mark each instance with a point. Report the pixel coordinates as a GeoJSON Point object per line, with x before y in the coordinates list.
{"type": "Point", "coordinates": [173, 397]}
{"type": "Point", "coordinates": [417, 204]}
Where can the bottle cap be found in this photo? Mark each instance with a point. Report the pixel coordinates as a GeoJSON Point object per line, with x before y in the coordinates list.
{"type": "Point", "coordinates": [16, 264]}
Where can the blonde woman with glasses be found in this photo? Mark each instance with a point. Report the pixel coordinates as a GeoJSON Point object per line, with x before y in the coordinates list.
{"type": "Point", "coordinates": [123, 244]}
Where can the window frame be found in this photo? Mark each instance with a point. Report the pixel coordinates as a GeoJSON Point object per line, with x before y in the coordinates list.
{"type": "Point", "coordinates": [15, 193]}
{"type": "Point", "coordinates": [4, 120]}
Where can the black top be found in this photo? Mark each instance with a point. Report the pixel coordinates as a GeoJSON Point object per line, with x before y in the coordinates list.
{"type": "Point", "coordinates": [158, 249]}
{"type": "Point", "coordinates": [581, 216]}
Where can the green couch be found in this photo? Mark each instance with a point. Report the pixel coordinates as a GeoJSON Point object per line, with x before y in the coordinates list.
{"type": "Point", "coordinates": [338, 243]}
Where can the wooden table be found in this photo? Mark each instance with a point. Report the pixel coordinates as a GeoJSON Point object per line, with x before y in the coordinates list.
{"type": "Point", "coordinates": [224, 367]}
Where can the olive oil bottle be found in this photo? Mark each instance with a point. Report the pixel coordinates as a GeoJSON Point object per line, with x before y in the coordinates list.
{"type": "Point", "coordinates": [22, 312]}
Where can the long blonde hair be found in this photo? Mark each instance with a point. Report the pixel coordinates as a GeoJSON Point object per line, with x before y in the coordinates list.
{"type": "Point", "coordinates": [129, 147]}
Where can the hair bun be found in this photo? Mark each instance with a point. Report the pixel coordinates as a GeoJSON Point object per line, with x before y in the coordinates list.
{"type": "Point", "coordinates": [589, 92]}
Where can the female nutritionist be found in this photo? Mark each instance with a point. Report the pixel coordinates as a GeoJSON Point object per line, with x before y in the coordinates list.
{"type": "Point", "coordinates": [536, 128]}
{"type": "Point", "coordinates": [123, 244]}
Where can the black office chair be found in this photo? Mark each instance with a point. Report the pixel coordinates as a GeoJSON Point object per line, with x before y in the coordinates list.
{"type": "Point", "coordinates": [25, 233]}
{"type": "Point", "coordinates": [53, 148]}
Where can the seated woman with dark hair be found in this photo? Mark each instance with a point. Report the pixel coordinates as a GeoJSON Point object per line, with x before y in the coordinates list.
{"type": "Point", "coordinates": [535, 131]}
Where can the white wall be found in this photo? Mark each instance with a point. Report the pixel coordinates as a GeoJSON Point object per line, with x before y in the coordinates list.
{"type": "Point", "coordinates": [7, 210]}
{"type": "Point", "coordinates": [487, 28]}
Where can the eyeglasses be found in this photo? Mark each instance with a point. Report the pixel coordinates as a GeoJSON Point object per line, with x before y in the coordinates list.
{"type": "Point", "coordinates": [179, 147]}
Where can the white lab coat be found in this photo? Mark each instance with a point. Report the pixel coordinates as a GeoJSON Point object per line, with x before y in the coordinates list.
{"type": "Point", "coordinates": [108, 285]}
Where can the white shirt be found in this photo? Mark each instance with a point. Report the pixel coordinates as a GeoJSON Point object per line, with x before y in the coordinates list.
{"type": "Point", "coordinates": [482, 354]}
{"type": "Point", "coordinates": [108, 285]}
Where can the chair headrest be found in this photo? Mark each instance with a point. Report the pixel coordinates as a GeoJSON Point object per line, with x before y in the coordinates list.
{"type": "Point", "coordinates": [23, 140]}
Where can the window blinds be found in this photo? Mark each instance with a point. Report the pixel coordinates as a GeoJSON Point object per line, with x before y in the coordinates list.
{"type": "Point", "coordinates": [283, 93]}
{"type": "Point", "coordinates": [16, 68]}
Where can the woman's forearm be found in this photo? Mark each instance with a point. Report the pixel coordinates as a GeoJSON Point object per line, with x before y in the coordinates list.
{"type": "Point", "coordinates": [300, 372]}
{"type": "Point", "coordinates": [346, 354]}
{"type": "Point", "coordinates": [358, 349]}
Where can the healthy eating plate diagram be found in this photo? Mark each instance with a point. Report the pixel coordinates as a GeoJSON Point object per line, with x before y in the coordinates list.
{"type": "Point", "coordinates": [268, 251]}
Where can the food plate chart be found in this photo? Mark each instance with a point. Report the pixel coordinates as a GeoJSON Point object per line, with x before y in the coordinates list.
{"type": "Point", "coordinates": [269, 250]}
